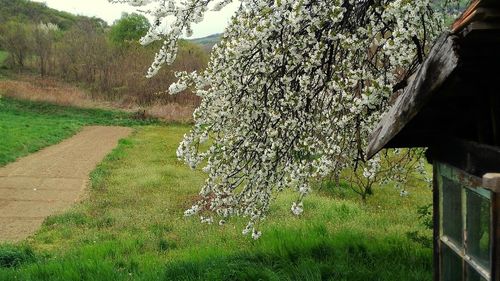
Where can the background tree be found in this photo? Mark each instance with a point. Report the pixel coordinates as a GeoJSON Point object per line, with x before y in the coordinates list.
{"type": "Point", "coordinates": [81, 50]}
{"type": "Point", "coordinates": [16, 38]}
{"type": "Point", "coordinates": [129, 28]}
{"type": "Point", "coordinates": [43, 40]}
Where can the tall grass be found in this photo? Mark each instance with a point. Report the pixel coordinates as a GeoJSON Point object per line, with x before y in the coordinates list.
{"type": "Point", "coordinates": [45, 89]}
{"type": "Point", "coordinates": [131, 227]}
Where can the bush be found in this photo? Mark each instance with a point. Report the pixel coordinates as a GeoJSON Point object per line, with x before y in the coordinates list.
{"type": "Point", "coordinates": [12, 256]}
{"type": "Point", "coordinates": [109, 63]}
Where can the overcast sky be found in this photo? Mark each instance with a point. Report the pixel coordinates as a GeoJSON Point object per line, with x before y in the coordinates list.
{"type": "Point", "coordinates": [213, 23]}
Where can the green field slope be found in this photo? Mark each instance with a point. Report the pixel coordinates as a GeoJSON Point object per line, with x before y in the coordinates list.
{"type": "Point", "coordinates": [131, 225]}
{"type": "Point", "coordinates": [26, 127]}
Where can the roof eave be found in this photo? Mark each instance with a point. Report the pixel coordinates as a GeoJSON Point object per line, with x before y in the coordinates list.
{"type": "Point", "coordinates": [441, 63]}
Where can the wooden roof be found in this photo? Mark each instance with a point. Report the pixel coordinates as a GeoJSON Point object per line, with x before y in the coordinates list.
{"type": "Point", "coordinates": [478, 10]}
{"type": "Point", "coordinates": [438, 97]}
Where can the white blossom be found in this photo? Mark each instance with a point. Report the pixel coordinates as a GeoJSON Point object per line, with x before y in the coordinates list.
{"type": "Point", "coordinates": [297, 209]}
{"type": "Point", "coordinates": [256, 234]}
{"type": "Point", "coordinates": [207, 220]}
{"type": "Point", "coordinates": [192, 211]}
{"type": "Point", "coordinates": [371, 168]}
{"type": "Point", "coordinates": [47, 27]}
{"type": "Point", "coordinates": [249, 228]}
{"type": "Point", "coordinates": [176, 88]}
{"type": "Point", "coordinates": [291, 93]}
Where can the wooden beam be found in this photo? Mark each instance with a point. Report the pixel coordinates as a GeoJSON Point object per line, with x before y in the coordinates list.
{"type": "Point", "coordinates": [468, 15]}
{"type": "Point", "coordinates": [441, 63]}
{"type": "Point", "coordinates": [473, 158]}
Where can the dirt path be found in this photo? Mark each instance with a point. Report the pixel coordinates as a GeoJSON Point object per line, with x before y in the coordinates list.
{"type": "Point", "coordinates": [49, 181]}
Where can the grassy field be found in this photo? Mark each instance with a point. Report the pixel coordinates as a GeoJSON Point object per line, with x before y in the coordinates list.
{"type": "Point", "coordinates": [131, 227]}
{"type": "Point", "coordinates": [25, 127]}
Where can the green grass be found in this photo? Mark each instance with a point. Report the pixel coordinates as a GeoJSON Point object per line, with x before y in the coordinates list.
{"type": "Point", "coordinates": [26, 127]}
{"type": "Point", "coordinates": [131, 227]}
{"type": "Point", "coordinates": [3, 57]}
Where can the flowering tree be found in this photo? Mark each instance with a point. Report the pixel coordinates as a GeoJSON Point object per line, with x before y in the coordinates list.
{"type": "Point", "coordinates": [291, 92]}
{"type": "Point", "coordinates": [397, 166]}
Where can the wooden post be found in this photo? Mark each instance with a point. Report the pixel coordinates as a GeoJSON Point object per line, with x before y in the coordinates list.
{"type": "Point", "coordinates": [492, 182]}
{"type": "Point", "coordinates": [436, 219]}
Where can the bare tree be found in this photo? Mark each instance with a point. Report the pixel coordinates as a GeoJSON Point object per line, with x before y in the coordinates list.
{"type": "Point", "coordinates": [16, 39]}
{"type": "Point", "coordinates": [44, 35]}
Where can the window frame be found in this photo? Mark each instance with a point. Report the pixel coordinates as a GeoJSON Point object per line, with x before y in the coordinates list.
{"type": "Point", "coordinates": [466, 182]}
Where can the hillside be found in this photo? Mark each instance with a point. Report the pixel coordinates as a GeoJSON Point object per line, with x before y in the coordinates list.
{"type": "Point", "coordinates": [208, 42]}
{"type": "Point", "coordinates": [33, 12]}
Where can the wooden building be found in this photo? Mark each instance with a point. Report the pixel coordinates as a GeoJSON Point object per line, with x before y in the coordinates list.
{"type": "Point", "coordinates": [452, 106]}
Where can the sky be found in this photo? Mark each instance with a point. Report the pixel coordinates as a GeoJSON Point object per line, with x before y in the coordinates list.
{"type": "Point", "coordinates": [214, 22]}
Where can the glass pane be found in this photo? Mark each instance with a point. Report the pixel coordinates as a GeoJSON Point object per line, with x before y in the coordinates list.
{"type": "Point", "coordinates": [452, 211]}
{"type": "Point", "coordinates": [478, 228]}
{"type": "Point", "coordinates": [451, 265]}
{"type": "Point", "coordinates": [472, 275]}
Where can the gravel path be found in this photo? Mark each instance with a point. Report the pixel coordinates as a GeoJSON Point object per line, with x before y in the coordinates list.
{"type": "Point", "coordinates": [51, 180]}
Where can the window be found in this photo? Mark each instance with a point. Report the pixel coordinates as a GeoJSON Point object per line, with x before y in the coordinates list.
{"type": "Point", "coordinates": [478, 230]}
{"type": "Point", "coordinates": [472, 275]}
{"type": "Point", "coordinates": [452, 210]}
{"type": "Point", "coordinates": [451, 264]}
{"type": "Point", "coordinates": [464, 226]}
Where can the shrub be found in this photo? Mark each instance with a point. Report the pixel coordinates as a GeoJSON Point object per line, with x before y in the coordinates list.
{"type": "Point", "coordinates": [12, 256]}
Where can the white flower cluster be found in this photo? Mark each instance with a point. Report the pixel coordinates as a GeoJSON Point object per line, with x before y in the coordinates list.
{"type": "Point", "coordinates": [207, 220]}
{"type": "Point", "coordinates": [47, 27]}
{"type": "Point", "coordinates": [371, 168]}
{"type": "Point", "coordinates": [297, 209]}
{"type": "Point", "coordinates": [291, 93]}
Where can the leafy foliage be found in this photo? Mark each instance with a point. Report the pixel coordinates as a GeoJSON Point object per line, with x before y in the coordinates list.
{"type": "Point", "coordinates": [3, 57]}
{"type": "Point", "coordinates": [129, 28]}
{"type": "Point", "coordinates": [425, 215]}
{"type": "Point", "coordinates": [12, 256]}
{"type": "Point", "coordinates": [16, 39]}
